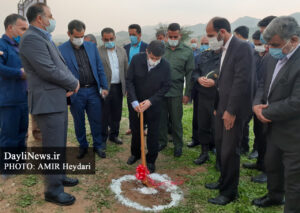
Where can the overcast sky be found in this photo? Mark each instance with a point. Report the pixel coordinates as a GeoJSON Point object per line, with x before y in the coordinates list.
{"type": "Point", "coordinates": [118, 14]}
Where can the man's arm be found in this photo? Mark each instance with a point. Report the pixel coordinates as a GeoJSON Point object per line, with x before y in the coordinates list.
{"type": "Point", "coordinates": [243, 68]}
{"type": "Point", "coordinates": [287, 108]}
{"type": "Point", "coordinates": [100, 70]}
{"type": "Point", "coordinates": [5, 71]}
{"type": "Point", "coordinates": [189, 67]}
{"type": "Point", "coordinates": [35, 50]}
{"type": "Point", "coordinates": [130, 82]}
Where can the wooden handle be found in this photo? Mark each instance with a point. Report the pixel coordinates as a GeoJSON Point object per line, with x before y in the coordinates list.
{"type": "Point", "coordinates": [143, 156]}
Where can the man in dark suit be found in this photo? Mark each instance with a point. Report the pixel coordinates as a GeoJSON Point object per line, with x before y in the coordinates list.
{"type": "Point", "coordinates": [147, 82]}
{"type": "Point", "coordinates": [235, 85]}
{"type": "Point", "coordinates": [84, 61]}
{"type": "Point", "coordinates": [277, 105]}
{"type": "Point", "coordinates": [49, 82]}
{"type": "Point", "coordinates": [135, 46]}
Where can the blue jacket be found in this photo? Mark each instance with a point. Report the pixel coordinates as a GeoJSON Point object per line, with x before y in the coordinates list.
{"type": "Point", "coordinates": [142, 48]}
{"type": "Point", "coordinates": [13, 89]}
{"type": "Point", "coordinates": [67, 52]}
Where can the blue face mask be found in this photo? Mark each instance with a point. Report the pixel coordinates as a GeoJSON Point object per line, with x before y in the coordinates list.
{"type": "Point", "coordinates": [51, 26]}
{"type": "Point", "coordinates": [204, 47]}
{"type": "Point", "coordinates": [17, 39]}
{"type": "Point", "coordinates": [262, 40]}
{"type": "Point", "coordinates": [277, 53]}
{"type": "Point", "coordinates": [133, 40]}
{"type": "Point", "coordinates": [109, 45]}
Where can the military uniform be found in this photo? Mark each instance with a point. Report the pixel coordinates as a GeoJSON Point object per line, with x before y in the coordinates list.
{"type": "Point", "coordinates": [207, 64]}
{"type": "Point", "coordinates": [182, 64]}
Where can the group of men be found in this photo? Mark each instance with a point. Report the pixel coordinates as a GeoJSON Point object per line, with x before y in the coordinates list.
{"type": "Point", "coordinates": [229, 79]}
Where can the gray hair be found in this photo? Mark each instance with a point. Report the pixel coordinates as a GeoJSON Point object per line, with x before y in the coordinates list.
{"type": "Point", "coordinates": [284, 26]}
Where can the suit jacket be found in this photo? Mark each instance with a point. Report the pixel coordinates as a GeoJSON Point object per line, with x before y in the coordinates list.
{"type": "Point", "coordinates": [284, 103]}
{"type": "Point", "coordinates": [48, 76]}
{"type": "Point", "coordinates": [236, 80]}
{"type": "Point", "coordinates": [123, 65]}
{"type": "Point", "coordinates": [142, 84]}
{"type": "Point", "coordinates": [67, 52]}
{"type": "Point", "coordinates": [13, 89]}
{"type": "Point", "coordinates": [142, 48]}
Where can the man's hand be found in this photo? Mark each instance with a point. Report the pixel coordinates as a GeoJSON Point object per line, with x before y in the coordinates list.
{"type": "Point", "coordinates": [257, 109]}
{"type": "Point", "coordinates": [104, 93]}
{"type": "Point", "coordinates": [77, 88]}
{"type": "Point", "coordinates": [206, 82]}
{"type": "Point", "coordinates": [23, 75]}
{"type": "Point", "coordinates": [137, 108]}
{"type": "Point", "coordinates": [145, 105]}
{"type": "Point", "coordinates": [215, 112]}
{"type": "Point", "coordinates": [185, 100]}
{"type": "Point", "coordinates": [228, 120]}
{"type": "Point", "coordinates": [70, 93]}
{"type": "Point", "coordinates": [1, 52]}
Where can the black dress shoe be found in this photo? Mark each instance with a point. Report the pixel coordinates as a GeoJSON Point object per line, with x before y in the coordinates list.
{"type": "Point", "coordinates": [100, 152]}
{"type": "Point", "coordinates": [177, 152]}
{"type": "Point", "coordinates": [116, 140]}
{"type": "Point", "coordinates": [212, 186]}
{"type": "Point", "coordinates": [253, 155]}
{"type": "Point", "coordinates": [266, 201]}
{"type": "Point", "coordinates": [220, 200]}
{"type": "Point", "coordinates": [193, 144]}
{"type": "Point", "coordinates": [132, 159]}
{"type": "Point", "coordinates": [250, 166]}
{"type": "Point", "coordinates": [202, 159]}
{"type": "Point", "coordinates": [70, 181]}
{"type": "Point", "coordinates": [151, 167]}
{"type": "Point", "coordinates": [244, 151]}
{"type": "Point", "coordinates": [82, 152]}
{"type": "Point", "coordinates": [261, 178]}
{"type": "Point", "coordinates": [63, 199]}
{"type": "Point", "coordinates": [161, 147]}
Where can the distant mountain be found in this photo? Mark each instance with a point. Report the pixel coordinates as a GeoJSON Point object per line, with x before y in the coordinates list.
{"type": "Point", "coordinates": [148, 32]}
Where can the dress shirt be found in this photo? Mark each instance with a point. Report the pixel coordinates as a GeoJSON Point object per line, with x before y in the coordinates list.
{"type": "Point", "coordinates": [225, 51]}
{"type": "Point", "coordinates": [134, 50]}
{"type": "Point", "coordinates": [114, 65]}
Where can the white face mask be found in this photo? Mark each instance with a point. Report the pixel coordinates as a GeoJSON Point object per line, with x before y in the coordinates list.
{"type": "Point", "coordinates": [173, 43]}
{"type": "Point", "coordinates": [214, 44]}
{"type": "Point", "coordinates": [153, 63]}
{"type": "Point", "coordinates": [194, 45]}
{"type": "Point", "coordinates": [260, 48]}
{"type": "Point", "coordinates": [77, 41]}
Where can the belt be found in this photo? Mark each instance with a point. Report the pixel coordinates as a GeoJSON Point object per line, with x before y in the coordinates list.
{"type": "Point", "coordinates": [87, 85]}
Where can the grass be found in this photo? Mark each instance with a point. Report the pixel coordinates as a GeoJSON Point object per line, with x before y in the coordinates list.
{"type": "Point", "coordinates": [95, 188]}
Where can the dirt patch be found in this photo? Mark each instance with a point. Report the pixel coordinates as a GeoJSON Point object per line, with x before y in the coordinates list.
{"type": "Point", "coordinates": [130, 190]}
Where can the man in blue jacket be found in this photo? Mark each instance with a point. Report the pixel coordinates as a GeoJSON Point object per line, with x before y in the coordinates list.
{"type": "Point", "coordinates": [13, 94]}
{"type": "Point", "coordinates": [84, 61]}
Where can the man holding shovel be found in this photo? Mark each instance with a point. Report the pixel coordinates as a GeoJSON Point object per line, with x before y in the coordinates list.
{"type": "Point", "coordinates": [148, 80]}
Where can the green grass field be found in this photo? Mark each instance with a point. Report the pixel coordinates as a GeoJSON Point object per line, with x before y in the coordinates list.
{"type": "Point", "coordinates": [94, 194]}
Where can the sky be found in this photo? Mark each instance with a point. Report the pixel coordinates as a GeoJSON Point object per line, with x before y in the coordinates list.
{"type": "Point", "coordinates": [118, 14]}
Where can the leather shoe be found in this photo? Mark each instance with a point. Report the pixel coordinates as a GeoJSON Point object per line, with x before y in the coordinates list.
{"type": "Point", "coordinates": [177, 152]}
{"type": "Point", "coordinates": [202, 159]}
{"type": "Point", "coordinates": [70, 181]}
{"type": "Point", "coordinates": [266, 201]}
{"type": "Point", "coordinates": [212, 186]}
{"type": "Point", "coordinates": [261, 178]}
{"type": "Point", "coordinates": [100, 152]}
{"type": "Point", "coordinates": [192, 144]}
{"type": "Point", "coordinates": [151, 167]}
{"type": "Point", "coordinates": [253, 155]}
{"type": "Point", "coordinates": [63, 199]}
{"type": "Point", "coordinates": [250, 166]}
{"type": "Point", "coordinates": [132, 159]}
{"type": "Point", "coordinates": [116, 140]}
{"type": "Point", "coordinates": [161, 147]}
{"type": "Point", "coordinates": [82, 152]}
{"type": "Point", "coordinates": [220, 200]}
